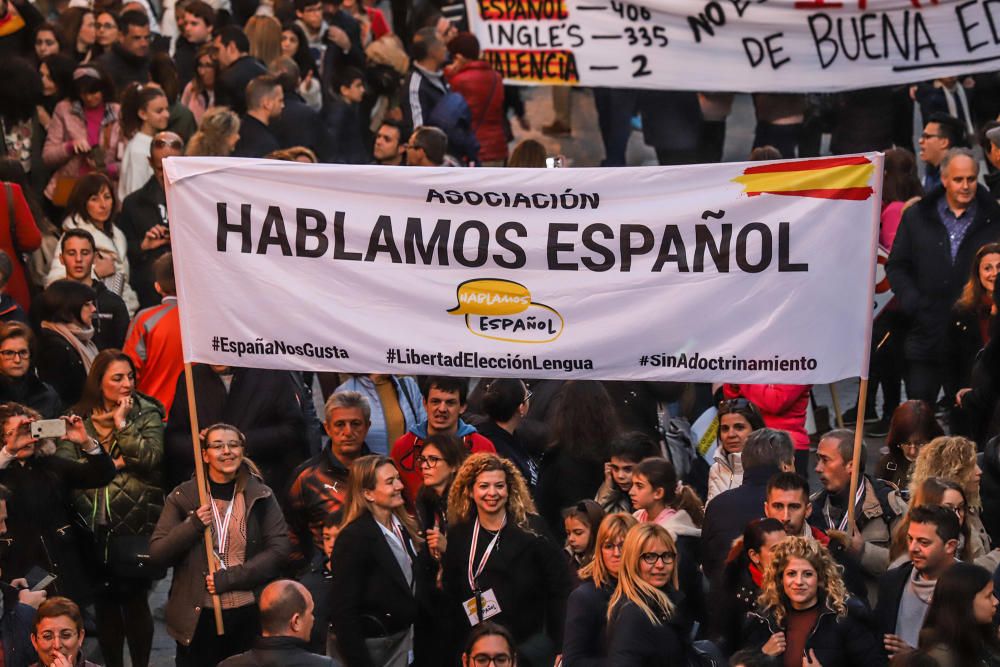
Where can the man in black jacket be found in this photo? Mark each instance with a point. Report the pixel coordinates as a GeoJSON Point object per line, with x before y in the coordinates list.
{"type": "Point", "coordinates": [930, 261]}
{"type": "Point", "coordinates": [905, 592]}
{"type": "Point", "coordinates": [143, 221]}
{"type": "Point", "coordinates": [299, 124]}
{"type": "Point", "coordinates": [766, 453]}
{"type": "Point", "coordinates": [128, 60]}
{"type": "Point", "coordinates": [286, 619]}
{"type": "Point", "coordinates": [261, 403]}
{"type": "Point", "coordinates": [265, 102]}
{"type": "Point", "coordinates": [239, 68]}
{"type": "Point", "coordinates": [77, 253]}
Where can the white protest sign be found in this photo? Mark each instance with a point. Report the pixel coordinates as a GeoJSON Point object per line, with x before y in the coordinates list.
{"type": "Point", "coordinates": [744, 272]}
{"type": "Point", "coordinates": [736, 45]}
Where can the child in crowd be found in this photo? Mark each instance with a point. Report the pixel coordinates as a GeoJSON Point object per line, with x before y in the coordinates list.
{"type": "Point", "coordinates": [626, 452]}
{"type": "Point", "coordinates": [581, 522]}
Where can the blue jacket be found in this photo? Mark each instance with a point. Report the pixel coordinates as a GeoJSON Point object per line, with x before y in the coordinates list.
{"type": "Point", "coordinates": [15, 630]}
{"type": "Point", "coordinates": [410, 402]}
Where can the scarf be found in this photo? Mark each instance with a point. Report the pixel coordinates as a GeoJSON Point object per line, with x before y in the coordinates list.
{"type": "Point", "coordinates": [78, 337]}
{"type": "Point", "coordinates": [920, 587]}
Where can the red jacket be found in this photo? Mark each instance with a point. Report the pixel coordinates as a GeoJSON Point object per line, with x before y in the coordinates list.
{"type": "Point", "coordinates": [482, 88]}
{"type": "Point", "coordinates": [783, 406]}
{"type": "Point", "coordinates": [405, 451]}
{"type": "Point", "coordinates": [154, 344]}
{"type": "Point", "coordinates": [28, 238]}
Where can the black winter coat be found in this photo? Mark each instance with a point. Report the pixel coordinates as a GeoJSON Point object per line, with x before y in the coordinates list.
{"type": "Point", "coordinates": [850, 641]}
{"type": "Point", "coordinates": [989, 488]}
{"type": "Point", "coordinates": [278, 652]}
{"type": "Point", "coordinates": [60, 366]}
{"type": "Point", "coordinates": [526, 572]}
{"type": "Point", "coordinates": [369, 596]}
{"type": "Point", "coordinates": [41, 523]}
{"type": "Point", "coordinates": [231, 87]}
{"type": "Point", "coordinates": [563, 481]}
{"type": "Point", "coordinates": [301, 125]}
{"type": "Point", "coordinates": [256, 139]}
{"type": "Point", "coordinates": [890, 592]}
{"type": "Point", "coordinates": [733, 596]}
{"type": "Point", "coordinates": [261, 403]}
{"type": "Point", "coordinates": [123, 67]}
{"type": "Point", "coordinates": [111, 319]}
{"type": "Point", "coordinates": [925, 280]}
{"type": "Point", "coordinates": [637, 642]}
{"type": "Point", "coordinates": [31, 392]}
{"type": "Point", "coordinates": [141, 211]}
{"type": "Point", "coordinates": [585, 639]}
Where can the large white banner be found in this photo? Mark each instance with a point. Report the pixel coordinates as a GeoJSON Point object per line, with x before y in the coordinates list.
{"type": "Point", "coordinates": [737, 45]}
{"type": "Point", "coordinates": [752, 272]}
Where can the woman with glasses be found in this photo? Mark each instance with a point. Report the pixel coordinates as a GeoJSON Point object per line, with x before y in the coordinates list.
{"type": "Point", "coordinates": [199, 93]}
{"type": "Point", "coordinates": [438, 461]}
{"type": "Point", "coordinates": [506, 402]}
{"type": "Point", "coordinates": [499, 565]}
{"type": "Point", "coordinates": [584, 639]}
{"type": "Point", "coordinates": [913, 425]}
{"type": "Point", "coordinates": [782, 407]}
{"type": "Point", "coordinates": [122, 514]}
{"type": "Point", "coordinates": [249, 547]}
{"type": "Point", "coordinates": [805, 615]}
{"type": "Point", "coordinates": [489, 645]}
{"type": "Point", "coordinates": [19, 383]}
{"type": "Point", "coordinates": [738, 417]}
{"type": "Point", "coordinates": [107, 32]}
{"type": "Point", "coordinates": [646, 618]}
{"type": "Point", "coordinates": [373, 606]}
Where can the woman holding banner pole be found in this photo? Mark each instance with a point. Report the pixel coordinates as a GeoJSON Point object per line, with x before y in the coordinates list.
{"type": "Point", "coordinates": [249, 545]}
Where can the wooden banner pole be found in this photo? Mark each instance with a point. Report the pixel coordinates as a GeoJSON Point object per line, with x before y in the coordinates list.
{"type": "Point", "coordinates": [856, 469]}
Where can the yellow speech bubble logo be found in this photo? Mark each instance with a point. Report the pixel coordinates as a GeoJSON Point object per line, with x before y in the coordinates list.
{"type": "Point", "coordinates": [491, 296]}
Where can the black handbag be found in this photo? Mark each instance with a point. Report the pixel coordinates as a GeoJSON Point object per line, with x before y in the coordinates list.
{"type": "Point", "coordinates": [128, 556]}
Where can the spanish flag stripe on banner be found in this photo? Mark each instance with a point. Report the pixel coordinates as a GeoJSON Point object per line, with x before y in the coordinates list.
{"type": "Point", "coordinates": [852, 194]}
{"type": "Point", "coordinates": [806, 165]}
{"type": "Point", "coordinates": [834, 178]}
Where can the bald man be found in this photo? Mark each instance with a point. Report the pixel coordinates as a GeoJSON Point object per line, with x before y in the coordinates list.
{"type": "Point", "coordinates": [286, 619]}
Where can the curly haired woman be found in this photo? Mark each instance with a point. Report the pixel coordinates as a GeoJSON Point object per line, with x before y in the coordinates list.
{"type": "Point", "coordinates": [804, 613]}
{"type": "Point", "coordinates": [499, 563]}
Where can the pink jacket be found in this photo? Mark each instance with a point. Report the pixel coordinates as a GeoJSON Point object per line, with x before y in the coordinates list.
{"type": "Point", "coordinates": [69, 125]}
{"type": "Point", "coordinates": [783, 406]}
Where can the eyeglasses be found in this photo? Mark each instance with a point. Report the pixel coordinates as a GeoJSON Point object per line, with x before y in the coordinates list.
{"type": "Point", "coordinates": [232, 446]}
{"type": "Point", "coordinates": [172, 143]}
{"type": "Point", "coordinates": [64, 635]}
{"type": "Point", "coordinates": [650, 557]}
{"type": "Point", "coordinates": [429, 461]}
{"type": "Point", "coordinates": [10, 354]}
{"type": "Point", "coordinates": [106, 26]}
{"type": "Point", "coordinates": [925, 136]}
{"type": "Point", "coordinates": [483, 660]}
{"type": "Point", "coordinates": [613, 546]}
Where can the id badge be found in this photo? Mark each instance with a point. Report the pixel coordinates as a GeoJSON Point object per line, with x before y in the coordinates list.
{"type": "Point", "coordinates": [490, 607]}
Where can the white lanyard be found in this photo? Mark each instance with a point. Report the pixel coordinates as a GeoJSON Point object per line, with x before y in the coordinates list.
{"type": "Point", "coordinates": [473, 576]}
{"type": "Point", "coordinates": [222, 528]}
{"type": "Point", "coordinates": [843, 522]}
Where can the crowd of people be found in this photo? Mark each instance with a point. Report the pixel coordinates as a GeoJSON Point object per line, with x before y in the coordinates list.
{"type": "Point", "coordinates": [439, 521]}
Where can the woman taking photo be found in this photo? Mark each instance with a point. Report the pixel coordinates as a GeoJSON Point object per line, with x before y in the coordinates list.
{"type": "Point", "coordinates": [913, 425]}
{"type": "Point", "coordinates": [738, 417]}
{"type": "Point", "coordinates": [249, 543]}
{"type": "Point", "coordinates": [506, 402]}
{"type": "Point", "coordinates": [66, 350]}
{"type": "Point", "coordinates": [373, 607]}
{"type": "Point", "coordinates": [736, 593]}
{"type": "Point", "coordinates": [41, 485]}
{"type": "Point", "coordinates": [958, 630]}
{"type": "Point", "coordinates": [584, 638]}
{"type": "Point", "coordinates": [92, 207]}
{"type": "Point", "coordinates": [645, 621]}
{"type": "Point", "coordinates": [498, 565]}
{"type": "Point", "coordinates": [122, 514]}
{"type": "Point", "coordinates": [83, 135]}
{"type": "Point", "coordinates": [804, 614]}
{"type": "Point", "coordinates": [438, 461]}
{"type": "Point", "coordinates": [19, 382]}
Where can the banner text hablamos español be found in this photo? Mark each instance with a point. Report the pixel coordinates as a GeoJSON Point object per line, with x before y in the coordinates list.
{"type": "Point", "coordinates": [753, 247]}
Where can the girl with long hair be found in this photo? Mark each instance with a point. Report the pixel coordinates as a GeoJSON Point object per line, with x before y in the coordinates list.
{"type": "Point", "coordinates": [584, 639]}
{"type": "Point", "coordinates": [373, 605]}
{"type": "Point", "coordinates": [145, 111]}
{"type": "Point", "coordinates": [122, 515]}
{"type": "Point", "coordinates": [250, 547]}
{"type": "Point", "coordinates": [913, 425]}
{"type": "Point", "coordinates": [499, 565]}
{"type": "Point", "coordinates": [738, 418]}
{"type": "Point", "coordinates": [645, 618]}
{"type": "Point", "coordinates": [79, 33]}
{"type": "Point", "coordinates": [581, 522]}
{"type": "Point", "coordinates": [958, 629]}
{"type": "Point", "coordinates": [804, 611]}
{"type": "Point", "coordinates": [217, 135]}
{"type": "Point", "coordinates": [736, 593]}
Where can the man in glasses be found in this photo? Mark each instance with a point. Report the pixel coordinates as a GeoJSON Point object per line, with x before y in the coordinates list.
{"type": "Point", "coordinates": [941, 133]}
{"type": "Point", "coordinates": [319, 486]}
{"type": "Point", "coordinates": [144, 223]}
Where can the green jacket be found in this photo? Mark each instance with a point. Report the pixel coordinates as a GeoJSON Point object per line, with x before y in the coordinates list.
{"type": "Point", "coordinates": [134, 498]}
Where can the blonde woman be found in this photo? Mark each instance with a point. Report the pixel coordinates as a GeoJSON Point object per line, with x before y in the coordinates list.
{"type": "Point", "coordinates": [645, 622]}
{"type": "Point", "coordinates": [373, 606]}
{"type": "Point", "coordinates": [954, 458]}
{"type": "Point", "coordinates": [499, 565]}
{"type": "Point", "coordinates": [804, 614]}
{"type": "Point", "coordinates": [587, 609]}
{"type": "Point", "coordinates": [217, 135]}
{"type": "Point", "coordinates": [264, 33]}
